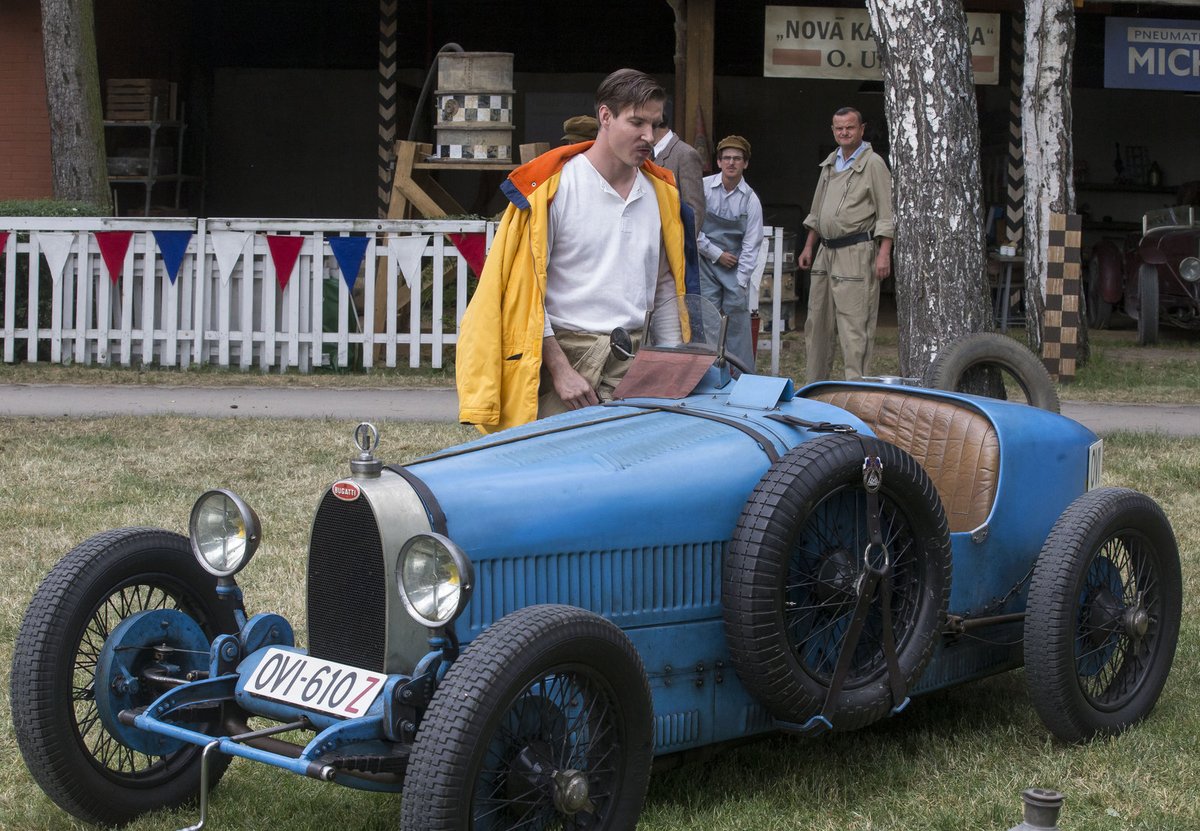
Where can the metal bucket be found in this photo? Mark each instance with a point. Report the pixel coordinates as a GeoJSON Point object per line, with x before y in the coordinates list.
{"type": "Point", "coordinates": [474, 106]}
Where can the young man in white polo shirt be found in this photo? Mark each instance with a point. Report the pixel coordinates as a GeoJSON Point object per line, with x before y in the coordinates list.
{"type": "Point", "coordinates": [592, 240]}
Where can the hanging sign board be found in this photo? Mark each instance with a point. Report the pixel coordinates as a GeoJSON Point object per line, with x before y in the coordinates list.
{"type": "Point", "coordinates": [807, 42]}
{"type": "Point", "coordinates": [1145, 53]}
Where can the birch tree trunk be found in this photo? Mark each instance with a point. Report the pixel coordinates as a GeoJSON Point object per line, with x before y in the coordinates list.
{"type": "Point", "coordinates": [1046, 136]}
{"type": "Point", "coordinates": [933, 123]}
{"type": "Point", "coordinates": [73, 101]}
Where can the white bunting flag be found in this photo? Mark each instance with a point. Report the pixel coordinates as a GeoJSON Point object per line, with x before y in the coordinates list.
{"type": "Point", "coordinates": [228, 246]}
{"type": "Point", "coordinates": [407, 251]}
{"type": "Point", "coordinates": [57, 247]}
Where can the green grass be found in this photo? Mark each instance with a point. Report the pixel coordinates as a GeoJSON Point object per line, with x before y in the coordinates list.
{"type": "Point", "coordinates": [956, 759]}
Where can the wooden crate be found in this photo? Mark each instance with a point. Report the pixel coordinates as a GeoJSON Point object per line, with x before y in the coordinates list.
{"type": "Point", "coordinates": [133, 99]}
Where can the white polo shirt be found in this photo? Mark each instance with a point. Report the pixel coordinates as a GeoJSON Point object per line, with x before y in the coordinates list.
{"type": "Point", "coordinates": [605, 257]}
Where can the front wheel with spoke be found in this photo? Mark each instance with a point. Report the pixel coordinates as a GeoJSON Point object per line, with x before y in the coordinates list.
{"type": "Point", "coordinates": [74, 756]}
{"type": "Point", "coordinates": [1103, 615]}
{"type": "Point", "coordinates": [543, 722]}
{"type": "Point", "coordinates": [795, 569]}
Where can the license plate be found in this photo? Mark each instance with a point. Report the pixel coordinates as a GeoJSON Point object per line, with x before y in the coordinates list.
{"type": "Point", "coordinates": [314, 683]}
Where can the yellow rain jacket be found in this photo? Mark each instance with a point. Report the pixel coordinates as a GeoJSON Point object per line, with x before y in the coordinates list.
{"type": "Point", "coordinates": [499, 361]}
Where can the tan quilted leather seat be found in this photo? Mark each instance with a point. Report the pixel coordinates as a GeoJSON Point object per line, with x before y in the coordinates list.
{"type": "Point", "coordinates": [956, 445]}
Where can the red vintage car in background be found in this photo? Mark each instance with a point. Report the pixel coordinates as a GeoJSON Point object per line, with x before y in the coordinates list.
{"type": "Point", "coordinates": [1155, 279]}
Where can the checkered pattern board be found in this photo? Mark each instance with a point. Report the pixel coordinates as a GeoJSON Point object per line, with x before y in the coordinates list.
{"type": "Point", "coordinates": [475, 152]}
{"type": "Point", "coordinates": [471, 108]}
{"type": "Point", "coordinates": [1060, 323]}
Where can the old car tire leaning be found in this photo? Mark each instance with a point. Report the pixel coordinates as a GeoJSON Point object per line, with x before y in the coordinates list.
{"type": "Point", "coordinates": [1103, 615]}
{"type": "Point", "coordinates": [74, 759]}
{"type": "Point", "coordinates": [545, 714]}
{"type": "Point", "coordinates": [1099, 310]}
{"type": "Point", "coordinates": [988, 349]}
{"type": "Point", "coordinates": [1147, 322]}
{"type": "Point", "coordinates": [789, 580]}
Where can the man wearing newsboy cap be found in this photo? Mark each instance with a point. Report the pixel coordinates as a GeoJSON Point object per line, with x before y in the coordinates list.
{"type": "Point", "coordinates": [729, 243]}
{"type": "Point", "coordinates": [579, 128]}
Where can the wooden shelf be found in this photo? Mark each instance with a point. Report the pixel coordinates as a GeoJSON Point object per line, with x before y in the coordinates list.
{"type": "Point", "coordinates": [464, 165]}
{"type": "Point", "coordinates": [143, 123]}
{"type": "Point", "coordinates": [1124, 187]}
{"type": "Point", "coordinates": [149, 179]}
{"type": "Point", "coordinates": [1122, 227]}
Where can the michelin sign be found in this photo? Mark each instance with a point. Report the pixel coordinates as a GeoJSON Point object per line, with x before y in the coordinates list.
{"type": "Point", "coordinates": [1143, 53]}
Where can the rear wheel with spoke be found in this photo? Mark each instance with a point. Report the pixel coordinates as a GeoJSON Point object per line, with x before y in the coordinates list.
{"type": "Point", "coordinates": [1103, 615]}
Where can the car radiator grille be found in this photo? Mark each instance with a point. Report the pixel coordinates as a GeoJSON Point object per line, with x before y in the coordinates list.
{"type": "Point", "coordinates": [346, 600]}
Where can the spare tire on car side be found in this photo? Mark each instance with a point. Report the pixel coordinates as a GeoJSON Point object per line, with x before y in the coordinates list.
{"type": "Point", "coordinates": [791, 577]}
{"type": "Point", "coordinates": [988, 350]}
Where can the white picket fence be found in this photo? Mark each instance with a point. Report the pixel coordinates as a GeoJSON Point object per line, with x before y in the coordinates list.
{"type": "Point", "coordinates": [230, 310]}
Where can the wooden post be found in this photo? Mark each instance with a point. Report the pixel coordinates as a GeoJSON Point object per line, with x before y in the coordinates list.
{"type": "Point", "coordinates": [1014, 206]}
{"type": "Point", "coordinates": [698, 95]}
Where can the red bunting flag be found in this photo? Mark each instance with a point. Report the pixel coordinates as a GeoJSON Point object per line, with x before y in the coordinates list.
{"type": "Point", "coordinates": [113, 245]}
{"type": "Point", "coordinates": [471, 246]}
{"type": "Point", "coordinates": [3, 240]}
{"type": "Point", "coordinates": [284, 251]}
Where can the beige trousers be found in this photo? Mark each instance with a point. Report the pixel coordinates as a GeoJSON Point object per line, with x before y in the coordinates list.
{"type": "Point", "coordinates": [591, 356]}
{"type": "Point", "coordinates": [843, 302]}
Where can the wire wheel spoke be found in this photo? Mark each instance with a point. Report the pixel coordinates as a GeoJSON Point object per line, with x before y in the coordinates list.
{"type": "Point", "coordinates": [106, 752]}
{"type": "Point", "coordinates": [821, 587]}
{"type": "Point", "coordinates": [1111, 652]}
{"type": "Point", "coordinates": [563, 721]}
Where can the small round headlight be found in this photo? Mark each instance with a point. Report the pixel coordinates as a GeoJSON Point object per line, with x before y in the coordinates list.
{"type": "Point", "coordinates": [435, 578]}
{"type": "Point", "coordinates": [1189, 269]}
{"type": "Point", "coordinates": [225, 532]}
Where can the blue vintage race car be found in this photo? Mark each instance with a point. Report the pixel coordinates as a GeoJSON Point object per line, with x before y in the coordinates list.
{"type": "Point", "coordinates": [512, 630]}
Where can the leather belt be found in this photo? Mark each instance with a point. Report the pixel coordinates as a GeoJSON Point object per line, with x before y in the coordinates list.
{"type": "Point", "coordinates": [851, 239]}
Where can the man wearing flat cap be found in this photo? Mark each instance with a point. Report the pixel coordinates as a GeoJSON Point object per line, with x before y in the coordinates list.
{"type": "Point", "coordinates": [579, 128]}
{"type": "Point", "coordinates": [729, 243]}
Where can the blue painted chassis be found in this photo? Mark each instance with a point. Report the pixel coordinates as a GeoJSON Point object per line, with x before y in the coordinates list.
{"type": "Point", "coordinates": [646, 500]}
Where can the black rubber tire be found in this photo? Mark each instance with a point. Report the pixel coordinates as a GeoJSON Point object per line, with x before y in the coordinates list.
{"type": "Point", "coordinates": [1108, 544]}
{"type": "Point", "coordinates": [482, 710]}
{"type": "Point", "coordinates": [988, 350]}
{"type": "Point", "coordinates": [796, 555]}
{"type": "Point", "coordinates": [1099, 310]}
{"type": "Point", "coordinates": [1147, 321]}
{"type": "Point", "coordinates": [79, 765]}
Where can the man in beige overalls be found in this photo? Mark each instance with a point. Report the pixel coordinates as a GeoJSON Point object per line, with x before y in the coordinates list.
{"type": "Point", "coordinates": [852, 218]}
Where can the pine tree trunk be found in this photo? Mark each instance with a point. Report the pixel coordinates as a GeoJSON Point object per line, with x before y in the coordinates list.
{"type": "Point", "coordinates": [941, 282]}
{"type": "Point", "coordinates": [73, 101]}
{"type": "Point", "coordinates": [1046, 136]}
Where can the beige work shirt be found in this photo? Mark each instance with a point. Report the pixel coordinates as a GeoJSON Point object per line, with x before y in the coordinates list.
{"type": "Point", "coordinates": [857, 199]}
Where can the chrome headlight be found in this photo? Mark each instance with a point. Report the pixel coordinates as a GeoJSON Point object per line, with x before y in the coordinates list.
{"type": "Point", "coordinates": [1189, 269]}
{"type": "Point", "coordinates": [435, 578]}
{"type": "Point", "coordinates": [225, 532]}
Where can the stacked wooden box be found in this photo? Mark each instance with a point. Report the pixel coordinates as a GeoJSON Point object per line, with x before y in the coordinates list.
{"type": "Point", "coordinates": [139, 99]}
{"type": "Point", "coordinates": [474, 115]}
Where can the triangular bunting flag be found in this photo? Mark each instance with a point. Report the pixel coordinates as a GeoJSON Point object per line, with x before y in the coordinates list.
{"type": "Point", "coordinates": [407, 251]}
{"type": "Point", "coordinates": [471, 247]}
{"type": "Point", "coordinates": [113, 245]}
{"type": "Point", "coordinates": [56, 247]}
{"type": "Point", "coordinates": [228, 247]}
{"type": "Point", "coordinates": [349, 253]}
{"type": "Point", "coordinates": [173, 245]}
{"type": "Point", "coordinates": [284, 251]}
{"type": "Point", "coordinates": [3, 240]}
